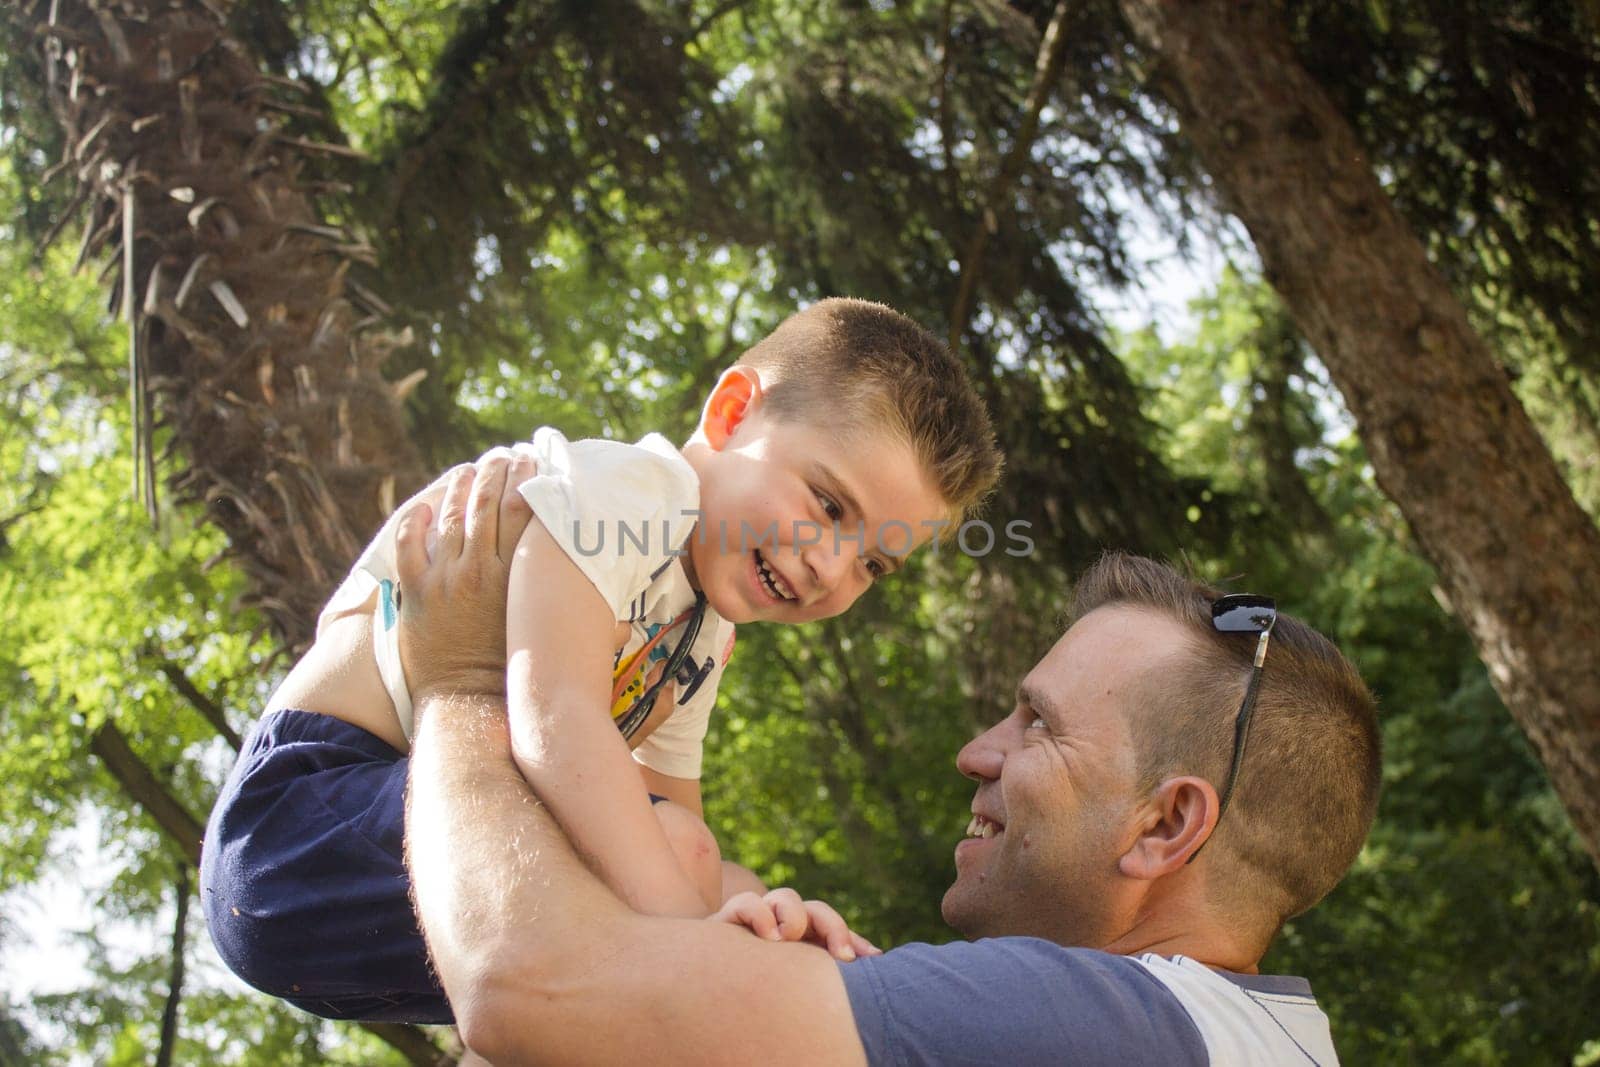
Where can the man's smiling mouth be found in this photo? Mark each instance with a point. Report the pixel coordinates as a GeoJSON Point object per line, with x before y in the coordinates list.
{"type": "Point", "coordinates": [983, 827]}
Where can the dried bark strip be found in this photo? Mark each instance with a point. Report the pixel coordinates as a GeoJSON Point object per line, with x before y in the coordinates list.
{"type": "Point", "coordinates": [268, 355]}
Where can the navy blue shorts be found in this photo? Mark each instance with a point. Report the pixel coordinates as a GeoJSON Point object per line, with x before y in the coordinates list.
{"type": "Point", "coordinates": [303, 876]}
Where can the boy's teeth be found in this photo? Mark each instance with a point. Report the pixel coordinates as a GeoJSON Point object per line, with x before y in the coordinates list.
{"type": "Point", "coordinates": [772, 580]}
{"type": "Point", "coordinates": [782, 586]}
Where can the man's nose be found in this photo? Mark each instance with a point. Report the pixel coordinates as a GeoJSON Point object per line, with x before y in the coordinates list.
{"type": "Point", "coordinates": [981, 758]}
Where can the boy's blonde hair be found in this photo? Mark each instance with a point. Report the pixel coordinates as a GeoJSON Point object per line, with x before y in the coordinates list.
{"type": "Point", "coordinates": [857, 366]}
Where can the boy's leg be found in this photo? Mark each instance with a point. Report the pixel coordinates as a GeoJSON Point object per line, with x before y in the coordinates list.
{"type": "Point", "coordinates": [695, 847]}
{"type": "Point", "coordinates": [303, 876]}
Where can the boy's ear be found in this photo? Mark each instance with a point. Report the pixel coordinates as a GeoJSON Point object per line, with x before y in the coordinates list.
{"type": "Point", "coordinates": [736, 395]}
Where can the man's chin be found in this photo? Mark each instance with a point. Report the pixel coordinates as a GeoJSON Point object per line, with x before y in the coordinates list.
{"type": "Point", "coordinates": [961, 912]}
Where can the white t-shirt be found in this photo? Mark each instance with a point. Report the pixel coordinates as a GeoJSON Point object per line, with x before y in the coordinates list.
{"type": "Point", "coordinates": [623, 513]}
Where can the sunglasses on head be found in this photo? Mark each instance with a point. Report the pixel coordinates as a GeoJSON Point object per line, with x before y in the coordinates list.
{"type": "Point", "coordinates": [1242, 613]}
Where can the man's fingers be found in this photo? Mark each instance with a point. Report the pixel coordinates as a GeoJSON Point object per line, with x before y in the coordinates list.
{"type": "Point", "coordinates": [411, 544]}
{"type": "Point", "coordinates": [452, 526]}
{"type": "Point", "coordinates": [483, 503]}
{"type": "Point", "coordinates": [515, 514]}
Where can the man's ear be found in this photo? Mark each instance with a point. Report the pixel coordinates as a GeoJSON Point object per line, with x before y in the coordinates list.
{"type": "Point", "coordinates": [737, 394]}
{"type": "Point", "coordinates": [1181, 814]}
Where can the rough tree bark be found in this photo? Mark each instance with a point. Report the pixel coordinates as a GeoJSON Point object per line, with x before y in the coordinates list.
{"type": "Point", "coordinates": [1449, 441]}
{"type": "Point", "coordinates": [251, 342]}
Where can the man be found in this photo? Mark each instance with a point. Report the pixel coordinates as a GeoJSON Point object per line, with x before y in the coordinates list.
{"type": "Point", "coordinates": [1122, 922]}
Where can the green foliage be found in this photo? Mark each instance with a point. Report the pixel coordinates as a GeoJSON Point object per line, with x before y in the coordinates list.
{"type": "Point", "coordinates": [96, 603]}
{"type": "Point", "coordinates": [587, 210]}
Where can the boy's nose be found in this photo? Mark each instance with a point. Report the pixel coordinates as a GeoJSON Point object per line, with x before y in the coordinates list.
{"type": "Point", "coordinates": [827, 564]}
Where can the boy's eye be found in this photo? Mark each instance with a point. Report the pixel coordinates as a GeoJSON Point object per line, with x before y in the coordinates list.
{"type": "Point", "coordinates": [876, 569]}
{"type": "Point", "coordinates": [830, 508]}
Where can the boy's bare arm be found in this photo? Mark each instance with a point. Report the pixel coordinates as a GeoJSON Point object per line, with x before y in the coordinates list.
{"type": "Point", "coordinates": [559, 646]}
{"type": "Point", "coordinates": [541, 962]}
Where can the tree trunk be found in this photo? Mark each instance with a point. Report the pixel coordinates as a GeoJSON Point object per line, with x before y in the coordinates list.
{"type": "Point", "coordinates": [249, 339]}
{"type": "Point", "coordinates": [169, 1013]}
{"type": "Point", "coordinates": [1448, 440]}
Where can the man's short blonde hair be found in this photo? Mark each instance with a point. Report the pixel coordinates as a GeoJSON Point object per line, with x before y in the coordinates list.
{"type": "Point", "coordinates": [1307, 790]}
{"type": "Point", "coordinates": [857, 366]}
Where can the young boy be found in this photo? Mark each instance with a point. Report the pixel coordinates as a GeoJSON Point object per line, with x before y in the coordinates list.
{"type": "Point", "coordinates": [838, 444]}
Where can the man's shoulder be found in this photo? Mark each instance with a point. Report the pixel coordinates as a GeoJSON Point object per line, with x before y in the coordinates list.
{"type": "Point", "coordinates": [1025, 1000]}
{"type": "Point", "coordinates": [1248, 1018]}
{"type": "Point", "coordinates": [1016, 1000]}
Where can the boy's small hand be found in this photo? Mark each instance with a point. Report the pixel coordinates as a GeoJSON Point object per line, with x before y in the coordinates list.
{"type": "Point", "coordinates": [453, 591]}
{"type": "Point", "coordinates": [781, 915]}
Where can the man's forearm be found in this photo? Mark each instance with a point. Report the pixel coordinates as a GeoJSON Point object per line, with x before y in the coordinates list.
{"type": "Point", "coordinates": [543, 964]}
{"type": "Point", "coordinates": [477, 841]}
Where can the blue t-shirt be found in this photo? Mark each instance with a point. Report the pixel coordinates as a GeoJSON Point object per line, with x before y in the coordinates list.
{"type": "Point", "coordinates": [1022, 1000]}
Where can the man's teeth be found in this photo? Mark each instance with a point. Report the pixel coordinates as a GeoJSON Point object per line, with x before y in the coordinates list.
{"type": "Point", "coordinates": [981, 827]}
{"type": "Point", "coordinates": [773, 580]}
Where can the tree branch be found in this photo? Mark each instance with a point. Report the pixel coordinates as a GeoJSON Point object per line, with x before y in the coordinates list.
{"type": "Point", "coordinates": [169, 1013]}
{"type": "Point", "coordinates": [146, 790]}
{"type": "Point", "coordinates": [371, 11]}
{"type": "Point", "coordinates": [208, 708]}
{"type": "Point", "coordinates": [946, 125]}
{"type": "Point", "coordinates": [716, 13]}
{"type": "Point", "coordinates": [1047, 68]}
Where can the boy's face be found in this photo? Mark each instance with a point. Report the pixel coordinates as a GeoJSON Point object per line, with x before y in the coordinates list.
{"type": "Point", "coordinates": [796, 519]}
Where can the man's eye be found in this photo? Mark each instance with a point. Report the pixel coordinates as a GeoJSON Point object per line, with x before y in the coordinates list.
{"type": "Point", "coordinates": [876, 569]}
{"type": "Point", "coordinates": [1037, 723]}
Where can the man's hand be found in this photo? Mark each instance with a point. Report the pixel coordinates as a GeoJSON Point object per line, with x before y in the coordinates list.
{"type": "Point", "coordinates": [780, 915]}
{"type": "Point", "coordinates": [453, 592]}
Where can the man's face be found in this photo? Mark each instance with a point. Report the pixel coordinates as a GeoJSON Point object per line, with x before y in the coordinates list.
{"type": "Point", "coordinates": [770, 497]}
{"type": "Point", "coordinates": [1056, 802]}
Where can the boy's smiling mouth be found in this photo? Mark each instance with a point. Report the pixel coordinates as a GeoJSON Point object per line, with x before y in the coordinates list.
{"type": "Point", "coordinates": [771, 580]}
